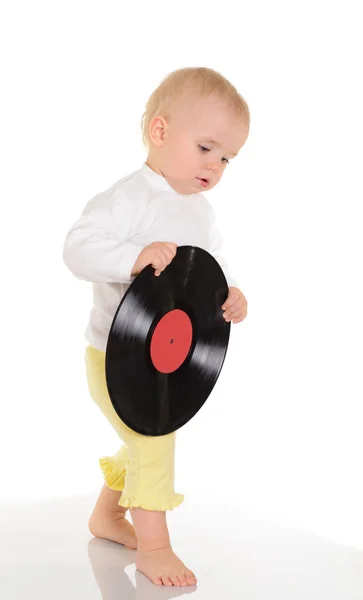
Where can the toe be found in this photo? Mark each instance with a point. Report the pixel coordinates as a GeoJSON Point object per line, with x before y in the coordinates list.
{"type": "Point", "coordinates": [191, 578]}
{"type": "Point", "coordinates": [157, 581]}
{"type": "Point", "coordinates": [183, 581]}
{"type": "Point", "coordinates": [166, 581]}
{"type": "Point", "coordinates": [175, 580]}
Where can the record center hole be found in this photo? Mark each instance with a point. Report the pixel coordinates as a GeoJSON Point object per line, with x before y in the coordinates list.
{"type": "Point", "coordinates": [172, 341]}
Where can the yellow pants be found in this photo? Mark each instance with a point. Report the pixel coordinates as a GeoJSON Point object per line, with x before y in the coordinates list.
{"type": "Point", "coordinates": [143, 469]}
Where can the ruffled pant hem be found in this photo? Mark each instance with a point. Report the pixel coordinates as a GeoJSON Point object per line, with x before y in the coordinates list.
{"type": "Point", "coordinates": [152, 503]}
{"type": "Point", "coordinates": [115, 479]}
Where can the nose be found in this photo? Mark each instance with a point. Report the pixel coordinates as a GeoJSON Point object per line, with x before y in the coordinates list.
{"type": "Point", "coordinates": [214, 166]}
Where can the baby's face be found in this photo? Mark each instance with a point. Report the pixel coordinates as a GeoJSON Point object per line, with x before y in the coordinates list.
{"type": "Point", "coordinates": [201, 138]}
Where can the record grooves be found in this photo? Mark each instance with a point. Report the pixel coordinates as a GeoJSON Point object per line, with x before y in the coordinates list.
{"type": "Point", "coordinates": [167, 343]}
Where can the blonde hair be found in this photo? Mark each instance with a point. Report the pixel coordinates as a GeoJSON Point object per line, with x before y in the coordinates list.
{"type": "Point", "coordinates": [197, 79]}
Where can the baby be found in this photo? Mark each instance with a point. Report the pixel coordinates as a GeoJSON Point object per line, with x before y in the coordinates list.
{"type": "Point", "coordinates": [195, 123]}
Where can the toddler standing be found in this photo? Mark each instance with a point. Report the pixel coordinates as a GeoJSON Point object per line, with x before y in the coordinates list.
{"type": "Point", "coordinates": [195, 123]}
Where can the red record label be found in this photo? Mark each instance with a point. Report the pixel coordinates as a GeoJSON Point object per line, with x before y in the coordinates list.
{"type": "Point", "coordinates": [171, 341]}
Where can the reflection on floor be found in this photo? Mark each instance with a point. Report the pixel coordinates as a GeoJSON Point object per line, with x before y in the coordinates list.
{"type": "Point", "coordinates": [47, 552]}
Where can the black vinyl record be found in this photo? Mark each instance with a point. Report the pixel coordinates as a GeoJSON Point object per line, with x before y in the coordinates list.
{"type": "Point", "coordinates": [167, 343]}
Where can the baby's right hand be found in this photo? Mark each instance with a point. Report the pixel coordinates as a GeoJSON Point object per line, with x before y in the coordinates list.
{"type": "Point", "coordinates": [158, 254]}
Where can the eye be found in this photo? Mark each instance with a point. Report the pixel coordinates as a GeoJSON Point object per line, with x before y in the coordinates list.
{"type": "Point", "coordinates": [204, 149]}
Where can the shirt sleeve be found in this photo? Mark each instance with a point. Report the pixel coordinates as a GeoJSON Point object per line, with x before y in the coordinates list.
{"type": "Point", "coordinates": [99, 246]}
{"type": "Point", "coordinates": [216, 248]}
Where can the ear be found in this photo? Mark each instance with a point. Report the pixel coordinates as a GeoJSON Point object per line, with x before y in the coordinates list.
{"type": "Point", "coordinates": [157, 130]}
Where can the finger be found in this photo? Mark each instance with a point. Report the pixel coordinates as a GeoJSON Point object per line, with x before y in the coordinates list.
{"type": "Point", "coordinates": [237, 306]}
{"type": "Point", "coordinates": [164, 257]}
{"type": "Point", "coordinates": [168, 255]}
{"type": "Point", "coordinates": [172, 247]}
{"type": "Point", "coordinates": [235, 321]}
{"type": "Point", "coordinates": [236, 315]}
{"type": "Point", "coordinates": [159, 265]}
{"type": "Point", "coordinates": [230, 301]}
{"type": "Point", "coordinates": [170, 252]}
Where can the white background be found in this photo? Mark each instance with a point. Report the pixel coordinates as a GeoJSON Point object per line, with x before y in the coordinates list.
{"type": "Point", "coordinates": [282, 431]}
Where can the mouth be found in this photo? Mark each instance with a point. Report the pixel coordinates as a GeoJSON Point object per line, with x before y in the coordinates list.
{"type": "Point", "coordinates": [202, 181]}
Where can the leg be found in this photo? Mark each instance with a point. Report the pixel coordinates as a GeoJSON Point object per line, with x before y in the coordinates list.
{"type": "Point", "coordinates": [149, 493]}
{"type": "Point", "coordinates": [155, 557]}
{"type": "Point", "coordinates": [144, 472]}
{"type": "Point", "coordinates": [108, 519]}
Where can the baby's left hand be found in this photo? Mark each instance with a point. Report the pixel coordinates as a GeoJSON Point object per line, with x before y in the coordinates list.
{"type": "Point", "coordinates": [235, 306]}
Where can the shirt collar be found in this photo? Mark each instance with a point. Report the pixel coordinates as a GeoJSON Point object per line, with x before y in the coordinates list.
{"type": "Point", "coordinates": [156, 179]}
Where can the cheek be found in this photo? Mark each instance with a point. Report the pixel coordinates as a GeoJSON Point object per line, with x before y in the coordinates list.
{"type": "Point", "coordinates": [190, 156]}
{"type": "Point", "coordinates": [172, 155]}
{"type": "Point", "coordinates": [220, 173]}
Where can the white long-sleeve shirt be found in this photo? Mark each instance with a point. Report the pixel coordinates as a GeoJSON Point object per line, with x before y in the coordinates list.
{"type": "Point", "coordinates": [117, 224]}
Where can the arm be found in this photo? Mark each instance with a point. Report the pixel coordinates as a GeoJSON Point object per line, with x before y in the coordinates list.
{"type": "Point", "coordinates": [99, 246]}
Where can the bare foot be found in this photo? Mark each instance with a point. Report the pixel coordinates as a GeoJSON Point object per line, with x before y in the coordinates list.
{"type": "Point", "coordinates": [113, 527]}
{"type": "Point", "coordinates": [163, 567]}
{"type": "Point", "coordinates": [108, 520]}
